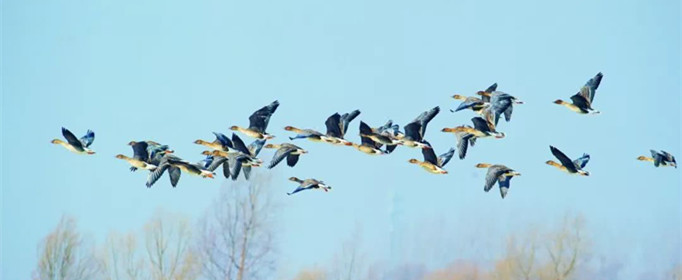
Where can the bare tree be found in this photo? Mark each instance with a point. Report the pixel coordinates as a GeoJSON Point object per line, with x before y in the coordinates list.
{"type": "Point", "coordinates": [520, 259]}
{"type": "Point", "coordinates": [235, 239]}
{"type": "Point", "coordinates": [65, 255]}
{"type": "Point", "coordinates": [167, 241]}
{"type": "Point", "coordinates": [348, 263]}
{"type": "Point", "coordinates": [565, 248]}
{"type": "Point", "coordinates": [120, 258]}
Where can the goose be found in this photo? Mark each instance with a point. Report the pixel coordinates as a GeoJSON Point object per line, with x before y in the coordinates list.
{"type": "Point", "coordinates": [153, 150]}
{"type": "Point", "coordinates": [482, 127]}
{"type": "Point", "coordinates": [661, 158]}
{"type": "Point", "coordinates": [500, 103]}
{"type": "Point", "coordinates": [221, 143]}
{"type": "Point", "coordinates": [258, 122]}
{"type": "Point", "coordinates": [500, 174]}
{"type": "Point", "coordinates": [568, 166]}
{"type": "Point", "coordinates": [196, 169]}
{"type": "Point", "coordinates": [373, 139]}
{"type": "Point", "coordinates": [309, 134]}
{"type": "Point", "coordinates": [432, 163]}
{"type": "Point", "coordinates": [219, 158]}
{"type": "Point", "coordinates": [308, 184]}
{"type": "Point", "coordinates": [415, 130]}
{"type": "Point", "coordinates": [285, 150]}
{"type": "Point", "coordinates": [140, 157]}
{"type": "Point", "coordinates": [581, 102]}
{"type": "Point", "coordinates": [337, 125]}
{"type": "Point", "coordinates": [476, 104]}
{"type": "Point", "coordinates": [73, 144]}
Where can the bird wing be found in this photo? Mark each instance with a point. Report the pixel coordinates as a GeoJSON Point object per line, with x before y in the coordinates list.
{"type": "Point", "coordinates": [247, 171]}
{"type": "Point", "coordinates": [582, 161]}
{"type": "Point", "coordinates": [503, 183]}
{"type": "Point", "coordinates": [239, 144]}
{"type": "Point", "coordinates": [508, 112]}
{"type": "Point", "coordinates": [140, 151]}
{"type": "Point", "coordinates": [658, 158]}
{"type": "Point", "coordinates": [73, 141]}
{"type": "Point", "coordinates": [580, 101]}
{"type": "Point", "coordinates": [174, 174]}
{"type": "Point", "coordinates": [492, 176]}
{"type": "Point", "coordinates": [156, 174]}
{"type": "Point", "coordinates": [292, 160]}
{"type": "Point", "coordinates": [281, 153]}
{"type": "Point", "coordinates": [429, 155]}
{"type": "Point", "coordinates": [346, 119]}
{"type": "Point", "coordinates": [333, 124]}
{"type": "Point", "coordinates": [480, 124]}
{"type": "Point", "coordinates": [445, 158]}
{"type": "Point", "coordinates": [259, 120]}
{"type": "Point", "coordinates": [565, 161]}
{"type": "Point", "coordinates": [590, 88]}
{"type": "Point", "coordinates": [223, 140]}
{"type": "Point", "coordinates": [365, 129]}
{"type": "Point", "coordinates": [255, 147]}
{"type": "Point", "coordinates": [217, 161]}
{"type": "Point", "coordinates": [412, 131]}
{"type": "Point", "coordinates": [668, 156]}
{"type": "Point", "coordinates": [424, 121]}
{"type": "Point", "coordinates": [491, 88]}
{"type": "Point", "coordinates": [462, 143]}
{"type": "Point", "coordinates": [367, 141]}
{"type": "Point", "coordinates": [88, 138]}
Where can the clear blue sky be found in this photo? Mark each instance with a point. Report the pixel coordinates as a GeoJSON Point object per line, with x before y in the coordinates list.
{"type": "Point", "coordinates": [174, 71]}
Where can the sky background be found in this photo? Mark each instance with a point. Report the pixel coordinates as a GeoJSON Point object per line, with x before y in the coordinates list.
{"type": "Point", "coordinates": [173, 71]}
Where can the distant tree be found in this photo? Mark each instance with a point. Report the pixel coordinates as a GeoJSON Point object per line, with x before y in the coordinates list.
{"type": "Point", "coordinates": [167, 241]}
{"type": "Point", "coordinates": [520, 259]}
{"type": "Point", "coordinates": [121, 260]}
{"type": "Point", "coordinates": [459, 270]}
{"type": "Point", "coordinates": [65, 255]}
{"type": "Point", "coordinates": [349, 263]}
{"type": "Point", "coordinates": [566, 248]}
{"type": "Point", "coordinates": [235, 235]}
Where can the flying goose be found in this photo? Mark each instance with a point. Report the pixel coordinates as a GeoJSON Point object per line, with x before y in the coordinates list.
{"type": "Point", "coordinates": [73, 144]}
{"type": "Point", "coordinates": [581, 102]}
{"type": "Point", "coordinates": [258, 122]}
{"type": "Point", "coordinates": [500, 174]}
{"type": "Point", "coordinates": [308, 184]}
{"type": "Point", "coordinates": [567, 165]}
{"type": "Point", "coordinates": [432, 163]}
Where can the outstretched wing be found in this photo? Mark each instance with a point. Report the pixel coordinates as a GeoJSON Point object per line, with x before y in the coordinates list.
{"type": "Point", "coordinates": [333, 124]}
{"type": "Point", "coordinates": [480, 124]}
{"type": "Point", "coordinates": [223, 140]}
{"type": "Point", "coordinates": [73, 141]}
{"type": "Point", "coordinates": [156, 174]}
{"type": "Point", "coordinates": [259, 120]}
{"type": "Point", "coordinates": [140, 151]}
{"type": "Point", "coordinates": [217, 161]}
{"type": "Point", "coordinates": [582, 161]}
{"type": "Point", "coordinates": [424, 121]}
{"type": "Point", "coordinates": [239, 144]}
{"type": "Point", "coordinates": [429, 155]}
{"type": "Point", "coordinates": [492, 176]}
{"type": "Point", "coordinates": [503, 183]}
{"type": "Point", "coordinates": [462, 143]}
{"type": "Point", "coordinates": [88, 138]}
{"type": "Point", "coordinates": [565, 161]}
{"type": "Point", "coordinates": [491, 88]}
{"type": "Point", "coordinates": [292, 160]}
{"type": "Point", "coordinates": [346, 119]}
{"type": "Point", "coordinates": [412, 131]}
{"type": "Point", "coordinates": [445, 158]}
{"type": "Point", "coordinates": [281, 153]}
{"type": "Point", "coordinates": [255, 147]}
{"type": "Point", "coordinates": [590, 88]}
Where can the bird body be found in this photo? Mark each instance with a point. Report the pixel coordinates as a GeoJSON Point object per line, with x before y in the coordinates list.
{"type": "Point", "coordinates": [500, 174]}
{"type": "Point", "coordinates": [75, 145]}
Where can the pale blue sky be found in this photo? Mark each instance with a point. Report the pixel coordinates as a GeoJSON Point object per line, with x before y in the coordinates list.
{"type": "Point", "coordinates": [174, 71]}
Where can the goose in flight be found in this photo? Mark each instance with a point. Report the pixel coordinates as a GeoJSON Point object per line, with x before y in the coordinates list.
{"type": "Point", "coordinates": [337, 126]}
{"type": "Point", "coordinates": [309, 184]}
{"type": "Point", "coordinates": [415, 130]}
{"type": "Point", "coordinates": [500, 174]}
{"type": "Point", "coordinates": [476, 104]}
{"type": "Point", "coordinates": [73, 144]}
{"type": "Point", "coordinates": [581, 102]}
{"type": "Point", "coordinates": [661, 158]}
{"type": "Point", "coordinates": [432, 163]}
{"type": "Point", "coordinates": [567, 165]}
{"type": "Point", "coordinates": [285, 150]}
{"type": "Point", "coordinates": [482, 127]}
{"type": "Point", "coordinates": [140, 157]}
{"type": "Point", "coordinates": [258, 122]}
{"type": "Point", "coordinates": [500, 103]}
{"type": "Point", "coordinates": [221, 143]}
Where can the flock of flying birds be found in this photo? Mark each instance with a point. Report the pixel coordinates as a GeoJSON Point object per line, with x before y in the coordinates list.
{"type": "Point", "coordinates": [236, 157]}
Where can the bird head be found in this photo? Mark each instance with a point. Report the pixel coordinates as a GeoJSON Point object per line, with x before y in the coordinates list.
{"type": "Point", "coordinates": [412, 160]}
{"type": "Point", "coordinates": [483, 165]}
{"type": "Point", "coordinates": [558, 101]}
{"type": "Point", "coordinates": [120, 156]}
